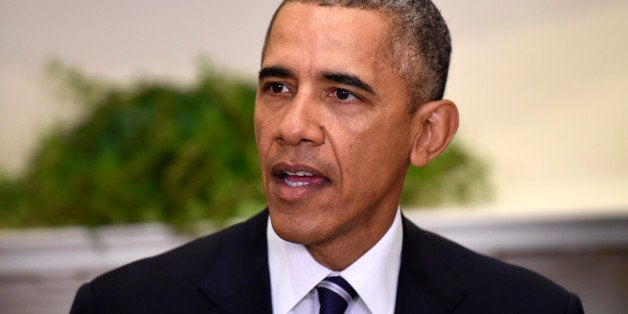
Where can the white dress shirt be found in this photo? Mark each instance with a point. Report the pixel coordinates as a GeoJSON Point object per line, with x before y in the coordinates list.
{"type": "Point", "coordinates": [294, 274]}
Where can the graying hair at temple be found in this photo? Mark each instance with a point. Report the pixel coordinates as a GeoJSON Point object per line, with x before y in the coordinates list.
{"type": "Point", "coordinates": [420, 43]}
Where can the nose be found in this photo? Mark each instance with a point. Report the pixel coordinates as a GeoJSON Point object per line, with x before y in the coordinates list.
{"type": "Point", "coordinates": [301, 122]}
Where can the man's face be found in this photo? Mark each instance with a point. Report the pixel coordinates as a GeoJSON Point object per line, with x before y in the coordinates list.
{"type": "Point", "coordinates": [332, 124]}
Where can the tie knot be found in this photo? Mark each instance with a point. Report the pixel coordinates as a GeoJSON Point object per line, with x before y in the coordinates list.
{"type": "Point", "coordinates": [334, 294]}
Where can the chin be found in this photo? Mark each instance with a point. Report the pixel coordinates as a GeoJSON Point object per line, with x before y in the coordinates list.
{"type": "Point", "coordinates": [296, 229]}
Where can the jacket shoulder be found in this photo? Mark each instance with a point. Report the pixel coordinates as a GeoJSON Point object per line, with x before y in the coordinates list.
{"type": "Point", "coordinates": [169, 282]}
{"type": "Point", "coordinates": [489, 285]}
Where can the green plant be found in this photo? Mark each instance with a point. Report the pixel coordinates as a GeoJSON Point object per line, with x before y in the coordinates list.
{"type": "Point", "coordinates": [160, 152]}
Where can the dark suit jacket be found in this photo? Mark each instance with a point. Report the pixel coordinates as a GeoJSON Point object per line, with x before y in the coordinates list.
{"type": "Point", "coordinates": [227, 272]}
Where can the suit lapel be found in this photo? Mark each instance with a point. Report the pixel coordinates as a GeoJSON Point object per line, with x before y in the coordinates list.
{"type": "Point", "coordinates": [239, 280]}
{"type": "Point", "coordinates": [426, 284]}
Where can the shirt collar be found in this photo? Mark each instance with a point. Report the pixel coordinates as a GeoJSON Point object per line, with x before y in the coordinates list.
{"type": "Point", "coordinates": [294, 272]}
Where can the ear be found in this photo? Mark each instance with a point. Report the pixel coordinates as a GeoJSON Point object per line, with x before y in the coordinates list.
{"type": "Point", "coordinates": [437, 123]}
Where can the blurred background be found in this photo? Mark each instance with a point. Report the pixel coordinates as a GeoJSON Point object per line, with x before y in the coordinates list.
{"type": "Point", "coordinates": [123, 112]}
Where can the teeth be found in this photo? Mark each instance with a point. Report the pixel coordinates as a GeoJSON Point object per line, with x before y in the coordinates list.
{"type": "Point", "coordinates": [300, 173]}
{"type": "Point", "coordinates": [296, 184]}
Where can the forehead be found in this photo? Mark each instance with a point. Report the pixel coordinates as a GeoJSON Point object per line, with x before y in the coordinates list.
{"type": "Point", "coordinates": [331, 36]}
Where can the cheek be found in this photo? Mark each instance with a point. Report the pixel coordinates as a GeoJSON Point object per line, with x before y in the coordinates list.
{"type": "Point", "coordinates": [260, 122]}
{"type": "Point", "coordinates": [382, 133]}
{"type": "Point", "coordinates": [261, 136]}
{"type": "Point", "coordinates": [257, 128]}
{"type": "Point", "coordinates": [384, 142]}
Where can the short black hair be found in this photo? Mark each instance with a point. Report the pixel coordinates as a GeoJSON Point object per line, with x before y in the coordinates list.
{"type": "Point", "coordinates": [420, 43]}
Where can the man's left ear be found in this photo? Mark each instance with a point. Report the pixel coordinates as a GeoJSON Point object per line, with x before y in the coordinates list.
{"type": "Point", "coordinates": [437, 122]}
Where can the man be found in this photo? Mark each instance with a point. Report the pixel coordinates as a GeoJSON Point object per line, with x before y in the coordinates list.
{"type": "Point", "coordinates": [350, 93]}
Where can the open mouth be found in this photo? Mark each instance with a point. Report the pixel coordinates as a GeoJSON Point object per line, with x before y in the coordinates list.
{"type": "Point", "coordinates": [297, 182]}
{"type": "Point", "coordinates": [298, 176]}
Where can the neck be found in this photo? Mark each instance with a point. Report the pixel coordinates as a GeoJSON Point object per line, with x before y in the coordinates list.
{"type": "Point", "coordinates": [344, 250]}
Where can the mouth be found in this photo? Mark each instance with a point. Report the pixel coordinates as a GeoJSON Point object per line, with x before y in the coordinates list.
{"type": "Point", "coordinates": [301, 178]}
{"type": "Point", "coordinates": [297, 181]}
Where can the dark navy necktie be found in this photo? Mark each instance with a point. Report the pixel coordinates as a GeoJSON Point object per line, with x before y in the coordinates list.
{"type": "Point", "coordinates": [334, 294]}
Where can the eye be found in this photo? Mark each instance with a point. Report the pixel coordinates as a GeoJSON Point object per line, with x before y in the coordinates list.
{"type": "Point", "coordinates": [344, 94]}
{"type": "Point", "coordinates": [278, 88]}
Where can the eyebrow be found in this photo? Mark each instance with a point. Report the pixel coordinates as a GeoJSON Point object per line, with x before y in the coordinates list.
{"type": "Point", "coordinates": [336, 77]}
{"type": "Point", "coordinates": [348, 79]}
{"type": "Point", "coordinates": [274, 71]}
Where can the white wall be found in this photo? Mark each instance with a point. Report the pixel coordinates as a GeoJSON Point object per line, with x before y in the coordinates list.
{"type": "Point", "coordinates": [540, 87]}
{"type": "Point", "coordinates": [540, 84]}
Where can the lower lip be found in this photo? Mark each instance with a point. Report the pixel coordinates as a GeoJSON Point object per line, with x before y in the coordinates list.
{"type": "Point", "coordinates": [286, 190]}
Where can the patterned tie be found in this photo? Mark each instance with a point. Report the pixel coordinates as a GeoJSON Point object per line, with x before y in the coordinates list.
{"type": "Point", "coordinates": [334, 294]}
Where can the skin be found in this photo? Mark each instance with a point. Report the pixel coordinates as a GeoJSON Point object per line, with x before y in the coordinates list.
{"type": "Point", "coordinates": [333, 130]}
